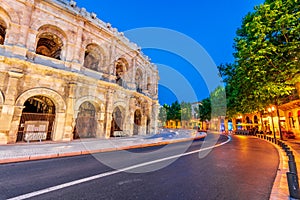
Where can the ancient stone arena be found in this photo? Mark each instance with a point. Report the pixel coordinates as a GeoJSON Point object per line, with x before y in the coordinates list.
{"type": "Point", "coordinates": [65, 74]}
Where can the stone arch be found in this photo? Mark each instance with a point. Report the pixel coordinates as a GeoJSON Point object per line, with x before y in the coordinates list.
{"type": "Point", "coordinates": [117, 123]}
{"type": "Point", "coordinates": [102, 48]}
{"type": "Point", "coordinates": [93, 57]}
{"type": "Point", "coordinates": [148, 124]}
{"type": "Point", "coordinates": [148, 83]}
{"type": "Point", "coordinates": [139, 80]}
{"type": "Point", "coordinates": [3, 28]}
{"type": "Point", "coordinates": [57, 129]}
{"type": "Point", "coordinates": [9, 12]}
{"type": "Point", "coordinates": [4, 25]}
{"type": "Point", "coordinates": [51, 42]}
{"type": "Point", "coordinates": [86, 122]}
{"type": "Point", "coordinates": [98, 103]}
{"type": "Point", "coordinates": [57, 99]}
{"type": "Point", "coordinates": [121, 67]}
{"type": "Point", "coordinates": [95, 119]}
{"type": "Point", "coordinates": [137, 122]}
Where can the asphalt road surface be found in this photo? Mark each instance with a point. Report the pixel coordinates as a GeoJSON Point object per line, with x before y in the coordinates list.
{"type": "Point", "coordinates": [243, 168]}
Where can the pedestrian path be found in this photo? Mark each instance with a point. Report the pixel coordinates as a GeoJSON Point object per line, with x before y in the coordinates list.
{"type": "Point", "coordinates": [35, 151]}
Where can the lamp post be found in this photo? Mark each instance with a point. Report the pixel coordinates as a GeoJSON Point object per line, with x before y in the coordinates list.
{"type": "Point", "coordinates": [271, 110]}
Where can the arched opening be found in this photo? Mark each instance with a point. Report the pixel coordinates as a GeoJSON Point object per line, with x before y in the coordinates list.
{"type": "Point", "coordinates": [49, 45]}
{"type": "Point", "coordinates": [86, 123]}
{"type": "Point", "coordinates": [148, 125]}
{"type": "Point", "coordinates": [121, 68]}
{"type": "Point", "coordinates": [248, 121]}
{"type": "Point", "coordinates": [148, 84]}
{"type": "Point", "coordinates": [137, 122]}
{"type": "Point", "coordinates": [92, 57]}
{"type": "Point", "coordinates": [2, 32]}
{"type": "Point", "coordinates": [117, 121]}
{"type": "Point", "coordinates": [138, 80]}
{"type": "Point", "coordinates": [255, 119]}
{"type": "Point", "coordinates": [37, 119]}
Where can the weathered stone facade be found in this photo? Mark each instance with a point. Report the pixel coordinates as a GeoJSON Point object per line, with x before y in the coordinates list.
{"type": "Point", "coordinates": [57, 59]}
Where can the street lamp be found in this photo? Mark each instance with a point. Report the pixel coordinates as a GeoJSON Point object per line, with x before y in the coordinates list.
{"type": "Point", "coordinates": [271, 110]}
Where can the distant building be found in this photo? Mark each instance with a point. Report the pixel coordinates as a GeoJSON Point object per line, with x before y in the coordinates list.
{"type": "Point", "coordinates": [65, 74]}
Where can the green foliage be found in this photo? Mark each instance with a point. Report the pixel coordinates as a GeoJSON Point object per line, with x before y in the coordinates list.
{"type": "Point", "coordinates": [162, 115]}
{"type": "Point", "coordinates": [186, 111]}
{"type": "Point", "coordinates": [218, 102]}
{"type": "Point", "coordinates": [266, 59]}
{"type": "Point", "coordinates": [174, 112]}
{"type": "Point", "coordinates": [204, 110]}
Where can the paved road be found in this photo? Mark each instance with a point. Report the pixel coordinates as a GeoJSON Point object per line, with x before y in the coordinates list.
{"type": "Point", "coordinates": [244, 168]}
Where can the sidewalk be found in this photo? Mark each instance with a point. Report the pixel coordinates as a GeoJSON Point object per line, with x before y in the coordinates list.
{"type": "Point", "coordinates": [280, 188]}
{"type": "Point", "coordinates": [44, 150]}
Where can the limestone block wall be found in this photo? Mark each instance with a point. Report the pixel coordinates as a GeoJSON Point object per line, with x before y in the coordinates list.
{"type": "Point", "coordinates": [54, 50]}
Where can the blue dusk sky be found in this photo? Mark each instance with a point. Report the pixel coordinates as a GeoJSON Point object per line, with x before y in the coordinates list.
{"type": "Point", "coordinates": [185, 39]}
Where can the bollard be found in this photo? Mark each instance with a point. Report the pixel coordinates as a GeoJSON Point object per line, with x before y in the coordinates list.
{"type": "Point", "coordinates": [292, 167]}
{"type": "Point", "coordinates": [293, 185]}
{"type": "Point", "coordinates": [288, 152]}
{"type": "Point", "coordinates": [291, 157]}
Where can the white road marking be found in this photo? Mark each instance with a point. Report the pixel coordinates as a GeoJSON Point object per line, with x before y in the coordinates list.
{"type": "Point", "coordinates": [72, 183]}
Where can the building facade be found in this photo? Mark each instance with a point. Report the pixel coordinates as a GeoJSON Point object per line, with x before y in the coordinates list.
{"type": "Point", "coordinates": [65, 74]}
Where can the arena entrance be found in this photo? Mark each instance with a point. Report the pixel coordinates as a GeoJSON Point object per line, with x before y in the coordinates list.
{"type": "Point", "coordinates": [116, 123]}
{"type": "Point", "coordinates": [137, 122]}
{"type": "Point", "coordinates": [37, 119]}
{"type": "Point", "coordinates": [86, 123]}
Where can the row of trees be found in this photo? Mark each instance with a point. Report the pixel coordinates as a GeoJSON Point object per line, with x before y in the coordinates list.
{"type": "Point", "coordinates": [212, 106]}
{"type": "Point", "coordinates": [266, 58]}
{"type": "Point", "coordinates": [183, 111]}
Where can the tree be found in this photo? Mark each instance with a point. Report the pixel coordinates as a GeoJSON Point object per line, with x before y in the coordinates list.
{"type": "Point", "coordinates": [162, 116]}
{"type": "Point", "coordinates": [186, 111]}
{"type": "Point", "coordinates": [266, 58]}
{"type": "Point", "coordinates": [204, 110]}
{"type": "Point", "coordinates": [174, 112]}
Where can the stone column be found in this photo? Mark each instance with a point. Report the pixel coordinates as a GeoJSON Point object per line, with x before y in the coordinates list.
{"type": "Point", "coordinates": [154, 117]}
{"type": "Point", "coordinates": [59, 123]}
{"type": "Point", "coordinates": [130, 76]}
{"type": "Point", "coordinates": [129, 121]}
{"type": "Point", "coordinates": [77, 49]}
{"type": "Point", "coordinates": [111, 61]}
{"type": "Point", "coordinates": [109, 112]}
{"type": "Point", "coordinates": [70, 117]}
{"type": "Point", "coordinates": [10, 117]}
{"type": "Point", "coordinates": [31, 41]}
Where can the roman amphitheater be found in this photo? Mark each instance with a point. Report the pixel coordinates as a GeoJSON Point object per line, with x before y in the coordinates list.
{"type": "Point", "coordinates": [65, 74]}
